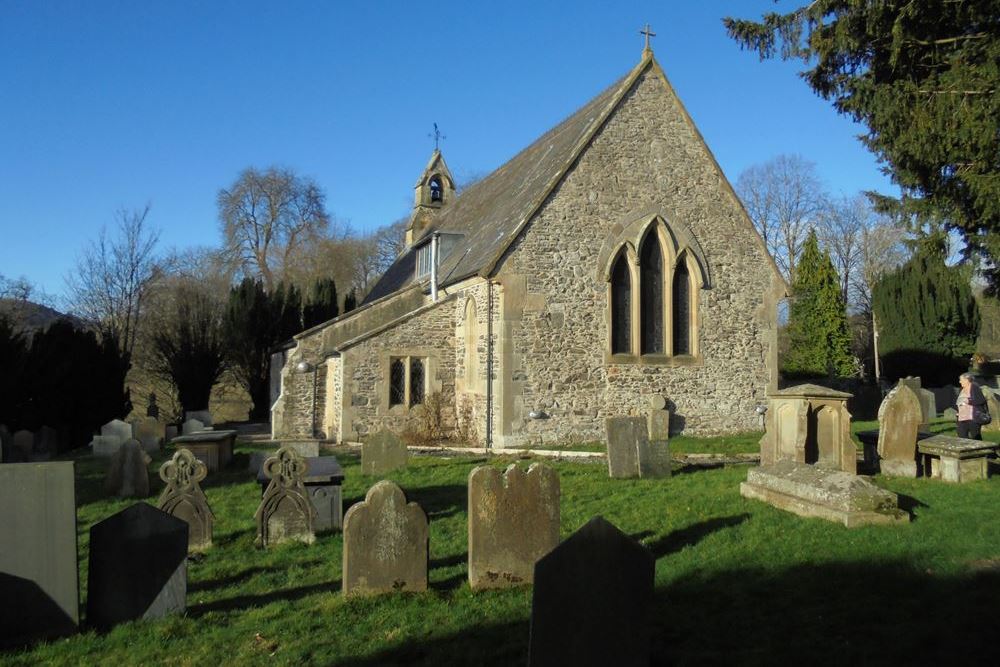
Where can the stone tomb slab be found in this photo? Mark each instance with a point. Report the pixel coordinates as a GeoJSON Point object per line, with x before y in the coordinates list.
{"type": "Point", "coordinates": [305, 448]}
{"type": "Point", "coordinates": [592, 600]}
{"type": "Point", "coordinates": [382, 453]}
{"type": "Point", "coordinates": [138, 567]}
{"type": "Point", "coordinates": [184, 499]}
{"type": "Point", "coordinates": [322, 482]}
{"type": "Point", "coordinates": [213, 448]}
{"type": "Point", "coordinates": [385, 543]}
{"type": "Point", "coordinates": [513, 521]}
{"type": "Point", "coordinates": [833, 495]}
{"type": "Point", "coordinates": [956, 459]}
{"type": "Point", "coordinates": [38, 552]}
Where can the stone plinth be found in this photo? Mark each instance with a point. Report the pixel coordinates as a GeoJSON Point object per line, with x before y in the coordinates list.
{"type": "Point", "coordinates": [833, 495]}
{"type": "Point", "coordinates": [513, 521]}
{"type": "Point", "coordinates": [809, 424]}
{"type": "Point", "coordinates": [213, 448]}
{"type": "Point", "coordinates": [956, 459]}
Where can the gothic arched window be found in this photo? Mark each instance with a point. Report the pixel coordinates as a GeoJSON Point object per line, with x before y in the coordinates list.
{"type": "Point", "coordinates": [681, 315]}
{"type": "Point", "coordinates": [651, 297]}
{"type": "Point", "coordinates": [621, 307]}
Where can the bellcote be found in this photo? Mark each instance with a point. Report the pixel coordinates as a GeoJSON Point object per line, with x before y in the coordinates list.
{"type": "Point", "coordinates": [434, 190]}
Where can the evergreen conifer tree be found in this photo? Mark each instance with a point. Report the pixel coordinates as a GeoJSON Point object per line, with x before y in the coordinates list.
{"type": "Point", "coordinates": [820, 341]}
{"type": "Point", "coordinates": [350, 301]}
{"type": "Point", "coordinates": [321, 305]}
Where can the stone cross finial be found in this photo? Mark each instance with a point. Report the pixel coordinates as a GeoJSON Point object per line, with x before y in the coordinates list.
{"type": "Point", "coordinates": [648, 33]}
{"type": "Point", "coordinates": [436, 136]}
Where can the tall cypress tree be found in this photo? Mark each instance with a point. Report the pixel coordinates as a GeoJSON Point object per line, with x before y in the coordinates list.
{"type": "Point", "coordinates": [927, 316]}
{"type": "Point", "coordinates": [321, 305]}
{"type": "Point", "coordinates": [820, 341]}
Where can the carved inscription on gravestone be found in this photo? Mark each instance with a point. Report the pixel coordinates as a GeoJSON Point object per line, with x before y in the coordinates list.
{"type": "Point", "coordinates": [899, 422]}
{"type": "Point", "coordinates": [285, 511]}
{"type": "Point", "coordinates": [385, 543]}
{"type": "Point", "coordinates": [513, 521]}
{"type": "Point", "coordinates": [184, 499]}
{"type": "Point", "coordinates": [382, 453]}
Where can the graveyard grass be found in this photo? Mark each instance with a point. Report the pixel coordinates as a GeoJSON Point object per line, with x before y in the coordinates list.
{"type": "Point", "coordinates": [737, 581]}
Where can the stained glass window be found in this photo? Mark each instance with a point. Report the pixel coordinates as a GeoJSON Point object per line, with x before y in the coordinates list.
{"type": "Point", "coordinates": [621, 307]}
{"type": "Point", "coordinates": [682, 309]}
{"type": "Point", "coordinates": [651, 299]}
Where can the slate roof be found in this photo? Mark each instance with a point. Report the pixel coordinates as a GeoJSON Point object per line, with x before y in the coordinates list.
{"type": "Point", "coordinates": [493, 211]}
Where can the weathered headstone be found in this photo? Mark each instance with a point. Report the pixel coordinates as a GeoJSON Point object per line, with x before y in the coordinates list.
{"type": "Point", "coordinates": [951, 413]}
{"type": "Point", "coordinates": [149, 432]}
{"type": "Point", "coordinates": [944, 398]}
{"type": "Point", "coordinates": [385, 543]}
{"type": "Point", "coordinates": [382, 453]}
{"type": "Point", "coordinates": [24, 446]}
{"type": "Point", "coordinates": [38, 559]}
{"type": "Point", "coordinates": [658, 419]}
{"type": "Point", "coordinates": [630, 451]}
{"type": "Point", "coordinates": [591, 601]}
{"type": "Point", "coordinates": [513, 521]}
{"type": "Point", "coordinates": [128, 474]}
{"type": "Point", "coordinates": [184, 499]}
{"type": "Point", "coordinates": [899, 422]}
{"type": "Point", "coordinates": [204, 416]}
{"type": "Point", "coordinates": [914, 384]}
{"type": "Point", "coordinates": [105, 445]}
{"type": "Point", "coordinates": [322, 482]}
{"type": "Point", "coordinates": [117, 428]}
{"type": "Point", "coordinates": [993, 405]}
{"type": "Point", "coordinates": [285, 511]}
{"type": "Point", "coordinates": [927, 404]}
{"type": "Point", "coordinates": [192, 426]}
{"type": "Point", "coordinates": [137, 567]}
{"type": "Point", "coordinates": [304, 448]}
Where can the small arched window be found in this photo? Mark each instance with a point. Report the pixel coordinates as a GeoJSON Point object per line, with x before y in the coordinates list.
{"type": "Point", "coordinates": [651, 297]}
{"type": "Point", "coordinates": [621, 307]}
{"type": "Point", "coordinates": [682, 308]}
{"type": "Point", "coordinates": [435, 187]}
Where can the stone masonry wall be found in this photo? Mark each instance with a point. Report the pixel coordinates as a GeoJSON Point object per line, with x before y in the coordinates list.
{"type": "Point", "coordinates": [301, 416]}
{"type": "Point", "coordinates": [554, 335]}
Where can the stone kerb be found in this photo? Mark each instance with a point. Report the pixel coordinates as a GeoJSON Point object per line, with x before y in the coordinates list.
{"type": "Point", "coordinates": [385, 543]}
{"type": "Point", "coordinates": [592, 600]}
{"type": "Point", "coordinates": [899, 419]}
{"type": "Point", "coordinates": [382, 453]}
{"type": "Point", "coordinates": [285, 511]}
{"type": "Point", "coordinates": [184, 499]}
{"type": "Point", "coordinates": [513, 521]}
{"type": "Point", "coordinates": [128, 475]}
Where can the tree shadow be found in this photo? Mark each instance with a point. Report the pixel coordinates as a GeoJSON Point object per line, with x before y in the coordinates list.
{"type": "Point", "coordinates": [449, 561]}
{"type": "Point", "coordinates": [908, 504]}
{"type": "Point", "coordinates": [685, 537]}
{"type": "Point", "coordinates": [239, 577]}
{"type": "Point", "coordinates": [247, 601]}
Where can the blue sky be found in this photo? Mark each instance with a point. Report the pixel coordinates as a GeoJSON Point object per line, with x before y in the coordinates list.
{"type": "Point", "coordinates": [109, 105]}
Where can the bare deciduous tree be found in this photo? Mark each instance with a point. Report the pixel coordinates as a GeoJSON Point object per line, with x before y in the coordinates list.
{"type": "Point", "coordinates": [784, 199]}
{"type": "Point", "coordinates": [113, 277]}
{"type": "Point", "coordinates": [268, 217]}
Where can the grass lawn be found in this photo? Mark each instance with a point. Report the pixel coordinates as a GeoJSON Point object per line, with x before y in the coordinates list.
{"type": "Point", "coordinates": [737, 581]}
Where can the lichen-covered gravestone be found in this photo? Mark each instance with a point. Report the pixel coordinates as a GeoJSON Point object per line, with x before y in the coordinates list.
{"type": "Point", "coordinates": [285, 511]}
{"type": "Point", "coordinates": [513, 521]}
{"type": "Point", "coordinates": [630, 452]}
{"type": "Point", "coordinates": [38, 561]}
{"type": "Point", "coordinates": [137, 567]}
{"type": "Point", "coordinates": [128, 475]}
{"type": "Point", "coordinates": [899, 423]}
{"type": "Point", "coordinates": [385, 543]}
{"type": "Point", "coordinates": [184, 499]}
{"type": "Point", "coordinates": [382, 453]}
{"type": "Point", "coordinates": [591, 601]}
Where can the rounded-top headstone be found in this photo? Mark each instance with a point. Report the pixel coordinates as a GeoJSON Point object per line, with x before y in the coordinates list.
{"type": "Point", "coordinates": [657, 402]}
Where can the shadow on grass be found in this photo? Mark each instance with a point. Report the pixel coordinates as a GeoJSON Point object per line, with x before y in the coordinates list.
{"type": "Point", "coordinates": [458, 559]}
{"type": "Point", "coordinates": [239, 577]}
{"type": "Point", "coordinates": [883, 613]}
{"type": "Point", "coordinates": [438, 502]}
{"type": "Point", "coordinates": [686, 537]}
{"type": "Point", "coordinates": [247, 601]}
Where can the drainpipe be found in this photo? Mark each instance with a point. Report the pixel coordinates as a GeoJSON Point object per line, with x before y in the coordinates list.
{"type": "Point", "coordinates": [489, 364]}
{"type": "Point", "coordinates": [435, 239]}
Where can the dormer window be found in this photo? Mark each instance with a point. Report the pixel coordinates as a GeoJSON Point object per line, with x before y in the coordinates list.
{"type": "Point", "coordinates": [436, 189]}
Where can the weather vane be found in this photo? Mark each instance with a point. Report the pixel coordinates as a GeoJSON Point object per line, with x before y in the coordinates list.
{"type": "Point", "coordinates": [436, 136]}
{"type": "Point", "coordinates": [648, 34]}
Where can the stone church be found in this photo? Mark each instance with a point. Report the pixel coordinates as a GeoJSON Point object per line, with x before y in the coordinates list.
{"type": "Point", "coordinates": [605, 265]}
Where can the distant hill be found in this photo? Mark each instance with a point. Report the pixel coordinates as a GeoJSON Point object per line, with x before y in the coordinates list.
{"type": "Point", "coordinates": [29, 316]}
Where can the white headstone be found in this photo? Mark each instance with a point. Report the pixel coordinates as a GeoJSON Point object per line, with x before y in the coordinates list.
{"type": "Point", "coordinates": [105, 445]}
{"type": "Point", "coordinates": [117, 428]}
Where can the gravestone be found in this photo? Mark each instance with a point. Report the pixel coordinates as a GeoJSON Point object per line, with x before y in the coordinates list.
{"type": "Point", "coordinates": [304, 448]}
{"type": "Point", "coordinates": [899, 423]}
{"type": "Point", "coordinates": [46, 444]}
{"type": "Point", "coordinates": [993, 405]}
{"type": "Point", "coordinates": [385, 543]}
{"type": "Point", "coordinates": [630, 452]}
{"type": "Point", "coordinates": [914, 384]}
{"type": "Point", "coordinates": [204, 416]}
{"type": "Point", "coordinates": [951, 413]}
{"type": "Point", "coordinates": [809, 424]}
{"type": "Point", "coordinates": [184, 499]}
{"type": "Point", "coordinates": [149, 432]}
{"type": "Point", "coordinates": [285, 511]}
{"type": "Point", "coordinates": [105, 445]}
{"type": "Point", "coordinates": [944, 398]}
{"type": "Point", "coordinates": [927, 404]}
{"type": "Point", "coordinates": [137, 567]}
{"type": "Point", "coordinates": [38, 559]}
{"type": "Point", "coordinates": [322, 482]}
{"type": "Point", "coordinates": [513, 521]}
{"type": "Point", "coordinates": [591, 602]}
{"type": "Point", "coordinates": [24, 446]}
{"type": "Point", "coordinates": [117, 428]}
{"type": "Point", "coordinates": [128, 474]}
{"type": "Point", "coordinates": [382, 453]}
{"type": "Point", "coordinates": [658, 419]}
{"type": "Point", "coordinates": [257, 461]}
{"type": "Point", "coordinates": [192, 426]}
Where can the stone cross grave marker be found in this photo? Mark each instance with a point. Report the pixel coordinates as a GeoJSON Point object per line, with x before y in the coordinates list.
{"type": "Point", "coordinates": [285, 511]}
{"type": "Point", "coordinates": [513, 521]}
{"type": "Point", "coordinates": [382, 453]}
{"type": "Point", "coordinates": [630, 452]}
{"type": "Point", "coordinates": [128, 474]}
{"type": "Point", "coordinates": [184, 499]}
{"type": "Point", "coordinates": [592, 599]}
{"type": "Point", "coordinates": [138, 567]}
{"type": "Point", "coordinates": [385, 543]}
{"type": "Point", "coordinates": [899, 422]}
{"type": "Point", "coordinates": [38, 568]}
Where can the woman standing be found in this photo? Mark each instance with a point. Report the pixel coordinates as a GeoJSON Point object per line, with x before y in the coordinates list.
{"type": "Point", "coordinates": [970, 403]}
